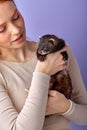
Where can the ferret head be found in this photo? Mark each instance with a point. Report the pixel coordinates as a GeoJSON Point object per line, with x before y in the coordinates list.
{"type": "Point", "coordinates": [50, 43]}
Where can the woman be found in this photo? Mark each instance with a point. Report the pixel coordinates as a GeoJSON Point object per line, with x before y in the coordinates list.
{"type": "Point", "coordinates": [19, 70]}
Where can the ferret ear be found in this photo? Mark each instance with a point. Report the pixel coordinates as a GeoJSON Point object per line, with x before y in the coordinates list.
{"type": "Point", "coordinates": [52, 41]}
{"type": "Point", "coordinates": [39, 37]}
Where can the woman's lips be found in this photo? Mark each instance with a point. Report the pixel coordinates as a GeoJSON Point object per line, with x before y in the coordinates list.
{"type": "Point", "coordinates": [18, 40]}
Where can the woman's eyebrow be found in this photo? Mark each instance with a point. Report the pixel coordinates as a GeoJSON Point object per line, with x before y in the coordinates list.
{"type": "Point", "coordinates": [11, 16]}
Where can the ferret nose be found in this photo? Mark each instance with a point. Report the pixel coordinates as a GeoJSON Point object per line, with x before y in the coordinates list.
{"type": "Point", "coordinates": [40, 51]}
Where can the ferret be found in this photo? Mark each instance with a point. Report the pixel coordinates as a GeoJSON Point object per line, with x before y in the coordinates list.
{"type": "Point", "coordinates": [60, 81]}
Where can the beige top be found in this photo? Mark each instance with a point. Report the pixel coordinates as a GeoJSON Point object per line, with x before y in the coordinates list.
{"type": "Point", "coordinates": [22, 111]}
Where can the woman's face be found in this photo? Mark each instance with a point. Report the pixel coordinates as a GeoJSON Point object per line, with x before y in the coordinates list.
{"type": "Point", "coordinates": [12, 28]}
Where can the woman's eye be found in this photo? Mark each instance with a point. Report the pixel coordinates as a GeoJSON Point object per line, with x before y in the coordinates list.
{"type": "Point", "coordinates": [2, 29]}
{"type": "Point", "coordinates": [16, 17]}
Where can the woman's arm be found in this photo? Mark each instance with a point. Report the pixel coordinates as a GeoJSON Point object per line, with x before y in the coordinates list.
{"type": "Point", "coordinates": [76, 108]}
{"type": "Point", "coordinates": [31, 116]}
{"type": "Point", "coordinates": [78, 111]}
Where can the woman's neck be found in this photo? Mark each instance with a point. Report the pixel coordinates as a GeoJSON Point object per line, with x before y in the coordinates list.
{"type": "Point", "coordinates": [22, 54]}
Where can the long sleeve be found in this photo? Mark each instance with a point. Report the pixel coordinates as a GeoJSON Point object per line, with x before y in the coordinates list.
{"type": "Point", "coordinates": [78, 111]}
{"type": "Point", "coordinates": [31, 117]}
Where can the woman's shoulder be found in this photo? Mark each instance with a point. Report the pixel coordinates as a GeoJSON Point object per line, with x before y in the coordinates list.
{"type": "Point", "coordinates": [32, 45]}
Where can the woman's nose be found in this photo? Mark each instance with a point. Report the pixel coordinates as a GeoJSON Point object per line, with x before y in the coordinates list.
{"type": "Point", "coordinates": [14, 29]}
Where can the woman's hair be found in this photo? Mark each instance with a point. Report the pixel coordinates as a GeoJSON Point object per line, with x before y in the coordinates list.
{"type": "Point", "coordinates": [1, 1]}
{"type": "Point", "coordinates": [6, 0]}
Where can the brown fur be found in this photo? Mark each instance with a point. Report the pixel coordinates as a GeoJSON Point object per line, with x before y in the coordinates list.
{"type": "Point", "coordinates": [60, 81]}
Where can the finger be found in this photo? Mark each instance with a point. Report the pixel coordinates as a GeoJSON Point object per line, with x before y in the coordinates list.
{"type": "Point", "coordinates": [63, 67]}
{"type": "Point", "coordinates": [52, 93]}
{"type": "Point", "coordinates": [64, 49]}
{"type": "Point", "coordinates": [66, 63]}
{"type": "Point", "coordinates": [27, 90]}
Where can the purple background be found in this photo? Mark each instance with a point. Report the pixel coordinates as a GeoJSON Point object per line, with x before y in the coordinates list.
{"type": "Point", "coordinates": [65, 18]}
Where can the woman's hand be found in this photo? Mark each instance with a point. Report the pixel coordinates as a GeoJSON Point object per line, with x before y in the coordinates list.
{"type": "Point", "coordinates": [57, 103]}
{"type": "Point", "coordinates": [53, 63]}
